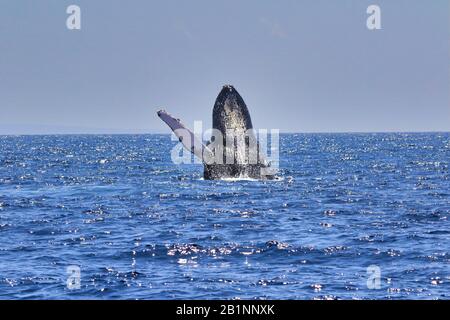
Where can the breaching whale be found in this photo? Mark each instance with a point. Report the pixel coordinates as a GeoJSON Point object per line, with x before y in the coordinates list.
{"type": "Point", "coordinates": [233, 151]}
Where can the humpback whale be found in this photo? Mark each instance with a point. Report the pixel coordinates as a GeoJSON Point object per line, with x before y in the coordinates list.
{"type": "Point", "coordinates": [233, 151]}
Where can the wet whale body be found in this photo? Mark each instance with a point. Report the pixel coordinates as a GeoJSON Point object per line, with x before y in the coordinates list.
{"type": "Point", "coordinates": [233, 151]}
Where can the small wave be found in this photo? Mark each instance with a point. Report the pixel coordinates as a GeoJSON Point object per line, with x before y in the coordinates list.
{"type": "Point", "coordinates": [239, 179]}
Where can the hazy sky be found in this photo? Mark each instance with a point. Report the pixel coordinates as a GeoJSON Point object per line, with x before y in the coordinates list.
{"type": "Point", "coordinates": [301, 66]}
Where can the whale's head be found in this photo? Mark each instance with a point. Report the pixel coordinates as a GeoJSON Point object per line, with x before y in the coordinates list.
{"type": "Point", "coordinates": [230, 111]}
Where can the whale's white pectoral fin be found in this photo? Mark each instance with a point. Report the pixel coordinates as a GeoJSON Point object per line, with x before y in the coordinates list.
{"type": "Point", "coordinates": [189, 140]}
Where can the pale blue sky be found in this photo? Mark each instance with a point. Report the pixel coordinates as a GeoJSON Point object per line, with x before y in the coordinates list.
{"type": "Point", "coordinates": [301, 66]}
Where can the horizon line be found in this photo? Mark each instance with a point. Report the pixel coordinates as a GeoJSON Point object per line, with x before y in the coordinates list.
{"type": "Point", "coordinates": [166, 133]}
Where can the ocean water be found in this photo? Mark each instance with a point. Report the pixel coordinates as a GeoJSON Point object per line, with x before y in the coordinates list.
{"type": "Point", "coordinates": [140, 227]}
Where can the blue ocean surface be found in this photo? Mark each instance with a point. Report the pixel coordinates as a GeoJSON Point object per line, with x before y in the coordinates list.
{"type": "Point", "coordinates": [141, 227]}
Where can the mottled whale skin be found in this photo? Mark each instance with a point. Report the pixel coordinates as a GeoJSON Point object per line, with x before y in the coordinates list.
{"type": "Point", "coordinates": [232, 118]}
